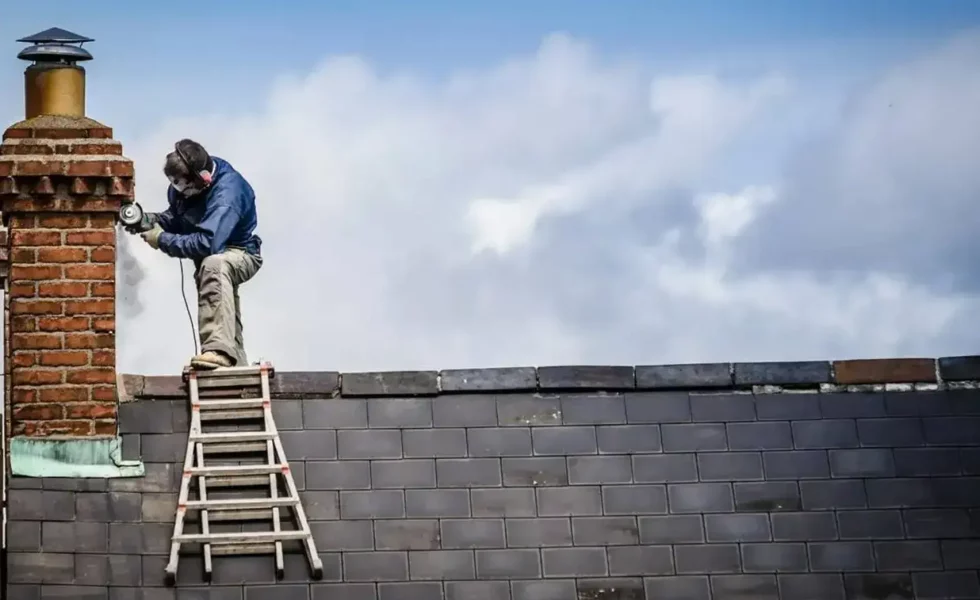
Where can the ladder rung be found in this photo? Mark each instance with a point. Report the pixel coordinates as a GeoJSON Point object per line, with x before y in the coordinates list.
{"type": "Point", "coordinates": [238, 516]}
{"type": "Point", "coordinates": [245, 537]}
{"type": "Point", "coordinates": [232, 415]}
{"type": "Point", "coordinates": [240, 503]}
{"type": "Point", "coordinates": [233, 448]}
{"type": "Point", "coordinates": [241, 381]}
{"type": "Point", "coordinates": [225, 372]}
{"type": "Point", "coordinates": [228, 394]}
{"type": "Point", "coordinates": [233, 549]}
{"type": "Point", "coordinates": [230, 403]}
{"type": "Point", "coordinates": [236, 470]}
{"type": "Point", "coordinates": [232, 436]}
{"type": "Point", "coordinates": [234, 371]}
{"type": "Point", "coordinates": [238, 481]}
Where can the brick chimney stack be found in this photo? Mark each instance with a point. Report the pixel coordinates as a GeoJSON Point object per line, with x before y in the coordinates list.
{"type": "Point", "coordinates": [62, 181]}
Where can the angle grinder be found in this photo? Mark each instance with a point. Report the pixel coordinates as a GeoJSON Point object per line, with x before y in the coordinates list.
{"type": "Point", "coordinates": [133, 218]}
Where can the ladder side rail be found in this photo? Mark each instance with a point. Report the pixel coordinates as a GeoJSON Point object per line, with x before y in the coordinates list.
{"type": "Point", "coordinates": [287, 474]}
{"type": "Point", "coordinates": [202, 492]}
{"type": "Point", "coordinates": [269, 422]}
{"type": "Point", "coordinates": [185, 477]}
{"type": "Point", "coordinates": [308, 544]}
{"type": "Point", "coordinates": [276, 524]}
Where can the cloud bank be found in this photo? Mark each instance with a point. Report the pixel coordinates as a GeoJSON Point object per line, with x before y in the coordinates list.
{"type": "Point", "coordinates": [558, 208]}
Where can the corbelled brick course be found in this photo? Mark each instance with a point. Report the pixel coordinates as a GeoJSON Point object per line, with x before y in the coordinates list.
{"type": "Point", "coordinates": [553, 488]}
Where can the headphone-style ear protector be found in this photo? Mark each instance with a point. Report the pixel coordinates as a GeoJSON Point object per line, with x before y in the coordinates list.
{"type": "Point", "coordinates": [203, 176]}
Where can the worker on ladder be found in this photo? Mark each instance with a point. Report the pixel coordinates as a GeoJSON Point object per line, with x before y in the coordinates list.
{"type": "Point", "coordinates": [211, 219]}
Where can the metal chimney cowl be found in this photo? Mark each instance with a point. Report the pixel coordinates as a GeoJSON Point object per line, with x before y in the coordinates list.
{"type": "Point", "coordinates": [54, 84]}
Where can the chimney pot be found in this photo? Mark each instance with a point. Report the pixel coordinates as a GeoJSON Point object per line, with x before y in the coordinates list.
{"type": "Point", "coordinates": [54, 84]}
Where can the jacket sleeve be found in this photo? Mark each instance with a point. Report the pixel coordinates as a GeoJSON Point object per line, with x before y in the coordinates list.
{"type": "Point", "coordinates": [166, 218]}
{"type": "Point", "coordinates": [214, 230]}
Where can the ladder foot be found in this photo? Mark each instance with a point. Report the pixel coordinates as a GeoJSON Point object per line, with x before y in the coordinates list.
{"type": "Point", "coordinates": [171, 579]}
{"type": "Point", "coordinates": [280, 573]}
{"type": "Point", "coordinates": [318, 573]}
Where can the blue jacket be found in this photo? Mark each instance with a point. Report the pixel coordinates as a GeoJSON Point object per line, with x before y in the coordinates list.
{"type": "Point", "coordinates": [223, 215]}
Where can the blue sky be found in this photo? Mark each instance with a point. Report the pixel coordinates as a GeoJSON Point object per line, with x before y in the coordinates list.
{"type": "Point", "coordinates": [232, 48]}
{"type": "Point", "coordinates": [557, 181]}
{"type": "Point", "coordinates": [407, 33]}
{"type": "Point", "coordinates": [252, 40]}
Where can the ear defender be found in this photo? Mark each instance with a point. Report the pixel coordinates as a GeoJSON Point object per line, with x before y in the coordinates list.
{"type": "Point", "coordinates": [204, 176]}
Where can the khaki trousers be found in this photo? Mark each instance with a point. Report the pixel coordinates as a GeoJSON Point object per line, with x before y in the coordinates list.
{"type": "Point", "coordinates": [219, 315]}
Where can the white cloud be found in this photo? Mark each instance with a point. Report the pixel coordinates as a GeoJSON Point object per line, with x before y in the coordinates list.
{"type": "Point", "coordinates": [540, 212]}
{"type": "Point", "coordinates": [692, 117]}
{"type": "Point", "coordinates": [891, 186]}
{"type": "Point", "coordinates": [725, 216]}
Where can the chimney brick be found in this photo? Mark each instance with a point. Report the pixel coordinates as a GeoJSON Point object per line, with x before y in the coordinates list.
{"type": "Point", "coordinates": [62, 180]}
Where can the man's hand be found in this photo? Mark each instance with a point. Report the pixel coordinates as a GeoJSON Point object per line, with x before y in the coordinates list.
{"type": "Point", "coordinates": [152, 237]}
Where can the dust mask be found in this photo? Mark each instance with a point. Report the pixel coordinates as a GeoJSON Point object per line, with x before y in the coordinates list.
{"type": "Point", "coordinates": [184, 187]}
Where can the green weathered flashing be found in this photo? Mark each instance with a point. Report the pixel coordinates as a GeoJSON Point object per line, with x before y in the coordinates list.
{"type": "Point", "coordinates": [95, 458]}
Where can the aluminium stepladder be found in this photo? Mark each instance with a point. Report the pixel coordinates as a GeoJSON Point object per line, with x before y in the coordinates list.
{"type": "Point", "coordinates": [226, 396]}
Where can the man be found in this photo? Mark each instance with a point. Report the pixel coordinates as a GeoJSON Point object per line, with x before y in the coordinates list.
{"type": "Point", "coordinates": [211, 220]}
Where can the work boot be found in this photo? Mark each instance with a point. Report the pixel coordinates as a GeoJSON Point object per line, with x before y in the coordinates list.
{"type": "Point", "coordinates": [210, 360]}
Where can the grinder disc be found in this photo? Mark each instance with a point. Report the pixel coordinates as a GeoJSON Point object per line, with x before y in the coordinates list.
{"type": "Point", "coordinates": [130, 214]}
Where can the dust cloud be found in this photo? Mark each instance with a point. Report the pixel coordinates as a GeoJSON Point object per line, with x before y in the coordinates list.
{"type": "Point", "coordinates": [129, 275]}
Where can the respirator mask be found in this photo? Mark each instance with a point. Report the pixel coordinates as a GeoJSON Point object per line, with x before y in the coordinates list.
{"type": "Point", "coordinates": [195, 181]}
{"type": "Point", "coordinates": [184, 187]}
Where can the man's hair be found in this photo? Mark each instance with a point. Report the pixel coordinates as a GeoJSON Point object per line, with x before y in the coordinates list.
{"type": "Point", "coordinates": [197, 157]}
